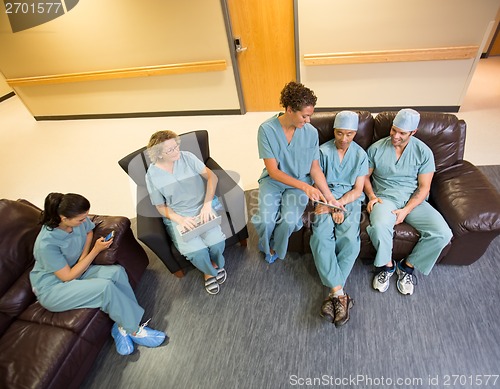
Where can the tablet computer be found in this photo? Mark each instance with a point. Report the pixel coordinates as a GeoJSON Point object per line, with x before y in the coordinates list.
{"type": "Point", "coordinates": [329, 206]}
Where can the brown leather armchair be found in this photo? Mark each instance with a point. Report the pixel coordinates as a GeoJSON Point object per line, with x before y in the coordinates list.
{"type": "Point", "coordinates": [150, 228]}
{"type": "Point", "coordinates": [42, 349]}
{"type": "Point", "coordinates": [460, 191]}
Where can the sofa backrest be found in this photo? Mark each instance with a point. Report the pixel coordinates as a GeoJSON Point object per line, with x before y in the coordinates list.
{"type": "Point", "coordinates": [443, 133]}
{"type": "Point", "coordinates": [323, 121]}
{"type": "Point", "coordinates": [18, 230]}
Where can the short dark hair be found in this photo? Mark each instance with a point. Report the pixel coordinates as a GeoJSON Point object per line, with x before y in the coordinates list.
{"type": "Point", "coordinates": [297, 96]}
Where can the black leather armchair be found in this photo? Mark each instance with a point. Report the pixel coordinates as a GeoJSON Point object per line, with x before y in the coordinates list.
{"type": "Point", "coordinates": [150, 228]}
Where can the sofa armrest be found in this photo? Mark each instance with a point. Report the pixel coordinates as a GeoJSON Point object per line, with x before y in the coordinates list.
{"type": "Point", "coordinates": [466, 199]}
{"type": "Point", "coordinates": [125, 250]}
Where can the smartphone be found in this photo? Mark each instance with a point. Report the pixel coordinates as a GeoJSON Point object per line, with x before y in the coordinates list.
{"type": "Point", "coordinates": [109, 236]}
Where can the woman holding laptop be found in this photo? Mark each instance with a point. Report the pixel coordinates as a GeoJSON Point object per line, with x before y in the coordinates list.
{"type": "Point", "coordinates": [182, 188]}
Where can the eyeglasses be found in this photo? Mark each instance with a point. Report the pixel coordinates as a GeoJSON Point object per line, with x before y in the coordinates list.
{"type": "Point", "coordinates": [171, 150]}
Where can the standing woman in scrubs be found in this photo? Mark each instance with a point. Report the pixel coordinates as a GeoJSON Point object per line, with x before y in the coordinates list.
{"type": "Point", "coordinates": [64, 277]}
{"type": "Point", "coordinates": [289, 146]}
{"type": "Point", "coordinates": [182, 188]}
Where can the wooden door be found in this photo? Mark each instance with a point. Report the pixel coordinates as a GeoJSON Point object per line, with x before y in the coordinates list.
{"type": "Point", "coordinates": [495, 45]}
{"type": "Point", "coordinates": [267, 63]}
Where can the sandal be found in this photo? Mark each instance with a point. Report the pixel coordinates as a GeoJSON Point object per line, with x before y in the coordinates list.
{"type": "Point", "coordinates": [211, 285]}
{"type": "Point", "coordinates": [221, 275]}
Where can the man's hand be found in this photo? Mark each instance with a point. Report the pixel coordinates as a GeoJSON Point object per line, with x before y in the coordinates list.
{"type": "Point", "coordinates": [372, 202]}
{"type": "Point", "coordinates": [400, 215]}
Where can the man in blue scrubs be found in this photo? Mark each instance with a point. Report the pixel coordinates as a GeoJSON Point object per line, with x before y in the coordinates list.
{"type": "Point", "coordinates": [335, 242]}
{"type": "Point", "coordinates": [401, 170]}
{"type": "Point", "coordinates": [289, 146]}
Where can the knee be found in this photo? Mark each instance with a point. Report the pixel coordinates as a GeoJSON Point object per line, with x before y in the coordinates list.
{"type": "Point", "coordinates": [444, 235]}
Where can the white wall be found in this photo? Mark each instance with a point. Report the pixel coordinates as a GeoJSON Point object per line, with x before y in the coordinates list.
{"type": "Point", "coordinates": [333, 26]}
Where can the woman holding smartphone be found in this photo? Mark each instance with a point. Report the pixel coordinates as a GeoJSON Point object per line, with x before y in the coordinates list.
{"type": "Point", "coordinates": [64, 278]}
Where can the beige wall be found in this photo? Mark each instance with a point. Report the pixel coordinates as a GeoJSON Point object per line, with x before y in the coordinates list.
{"type": "Point", "coordinates": [366, 25]}
{"type": "Point", "coordinates": [116, 34]}
{"type": "Point", "coordinates": [4, 87]}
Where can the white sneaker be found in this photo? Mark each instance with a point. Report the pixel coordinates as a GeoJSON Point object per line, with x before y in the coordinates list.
{"type": "Point", "coordinates": [406, 281]}
{"type": "Point", "coordinates": [381, 279]}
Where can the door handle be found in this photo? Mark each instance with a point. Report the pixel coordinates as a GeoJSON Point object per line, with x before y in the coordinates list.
{"type": "Point", "coordinates": [237, 45]}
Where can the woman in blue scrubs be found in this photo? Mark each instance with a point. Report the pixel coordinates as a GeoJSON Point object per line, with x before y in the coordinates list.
{"type": "Point", "coordinates": [182, 188]}
{"type": "Point", "coordinates": [64, 278]}
{"type": "Point", "coordinates": [289, 146]}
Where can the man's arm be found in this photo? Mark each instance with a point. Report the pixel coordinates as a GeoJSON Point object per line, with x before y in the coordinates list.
{"type": "Point", "coordinates": [355, 192]}
{"type": "Point", "coordinates": [420, 194]}
{"type": "Point", "coordinates": [370, 194]}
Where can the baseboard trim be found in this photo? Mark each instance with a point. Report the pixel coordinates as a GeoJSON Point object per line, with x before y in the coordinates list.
{"type": "Point", "coordinates": [421, 108]}
{"type": "Point", "coordinates": [7, 96]}
{"type": "Point", "coordinates": [133, 115]}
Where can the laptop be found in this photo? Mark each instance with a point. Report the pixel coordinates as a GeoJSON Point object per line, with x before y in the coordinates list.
{"type": "Point", "coordinates": [200, 228]}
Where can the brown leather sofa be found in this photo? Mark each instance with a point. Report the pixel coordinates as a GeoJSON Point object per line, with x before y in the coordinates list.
{"type": "Point", "coordinates": [38, 348]}
{"type": "Point", "coordinates": [463, 195]}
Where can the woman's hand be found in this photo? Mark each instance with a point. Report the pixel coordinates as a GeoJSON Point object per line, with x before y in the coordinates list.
{"type": "Point", "coordinates": [314, 193]}
{"type": "Point", "coordinates": [101, 244]}
{"type": "Point", "coordinates": [187, 222]}
{"type": "Point", "coordinates": [207, 213]}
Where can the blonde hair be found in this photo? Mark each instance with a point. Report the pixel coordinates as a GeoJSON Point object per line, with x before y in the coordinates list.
{"type": "Point", "coordinates": [155, 145]}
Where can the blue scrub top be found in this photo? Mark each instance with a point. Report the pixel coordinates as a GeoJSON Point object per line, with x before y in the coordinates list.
{"type": "Point", "coordinates": [341, 176]}
{"type": "Point", "coordinates": [398, 179]}
{"type": "Point", "coordinates": [54, 249]}
{"type": "Point", "coordinates": [294, 158]}
{"type": "Point", "coordinates": [183, 190]}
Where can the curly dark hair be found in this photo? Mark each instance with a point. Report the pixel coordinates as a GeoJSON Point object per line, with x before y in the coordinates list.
{"type": "Point", "coordinates": [297, 96]}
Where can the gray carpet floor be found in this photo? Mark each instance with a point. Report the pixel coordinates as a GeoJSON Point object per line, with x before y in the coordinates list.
{"type": "Point", "coordinates": [263, 330]}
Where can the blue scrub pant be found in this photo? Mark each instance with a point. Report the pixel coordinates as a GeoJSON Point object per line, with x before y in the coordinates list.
{"type": "Point", "coordinates": [203, 249]}
{"type": "Point", "coordinates": [278, 216]}
{"type": "Point", "coordinates": [335, 247]}
{"type": "Point", "coordinates": [105, 287]}
{"type": "Point", "coordinates": [434, 234]}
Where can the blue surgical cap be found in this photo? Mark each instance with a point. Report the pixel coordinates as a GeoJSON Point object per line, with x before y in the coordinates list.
{"type": "Point", "coordinates": [407, 120]}
{"type": "Point", "coordinates": [346, 120]}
